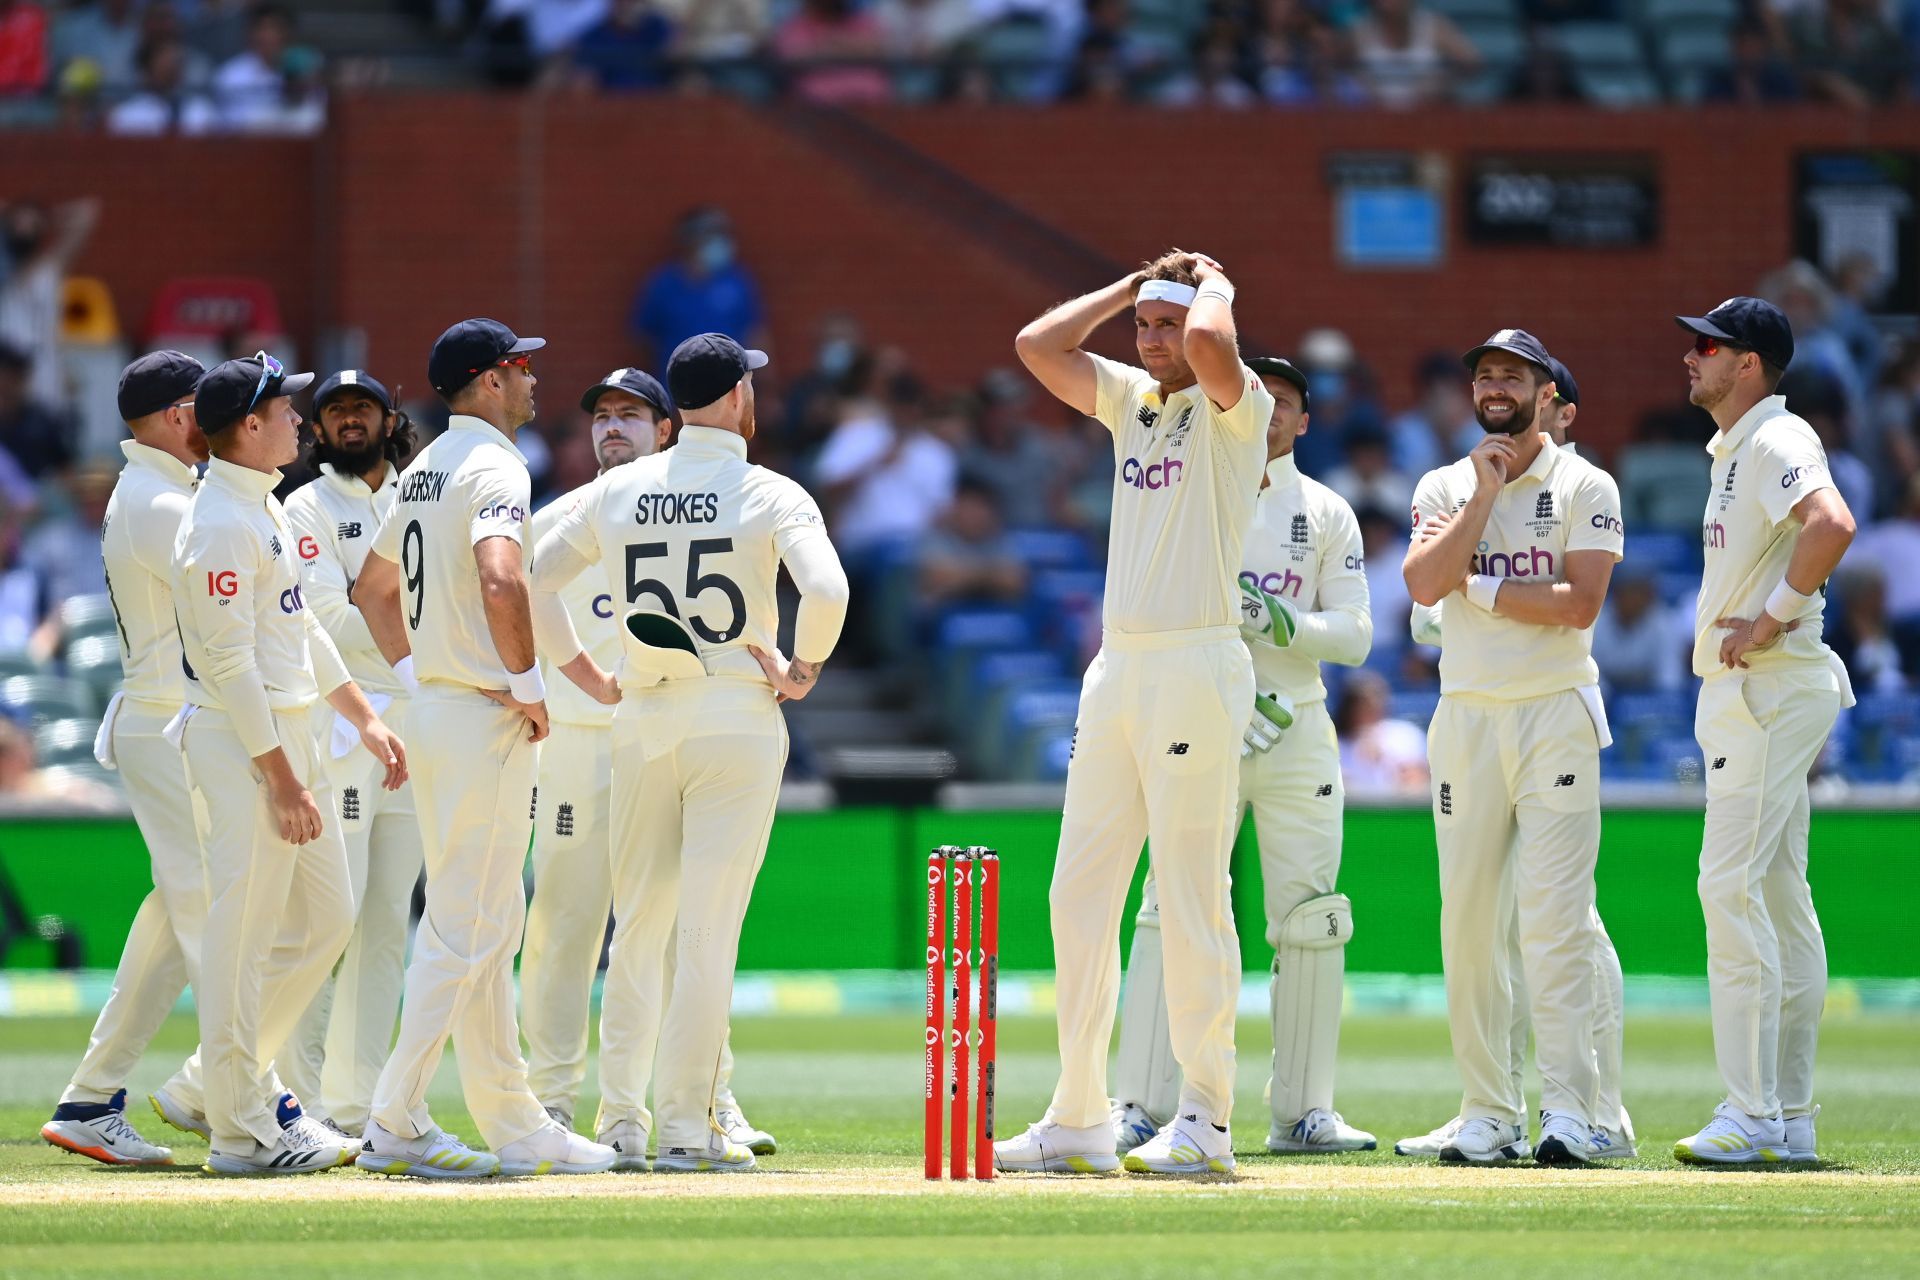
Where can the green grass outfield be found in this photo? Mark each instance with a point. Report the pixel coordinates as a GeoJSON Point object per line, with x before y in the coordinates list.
{"type": "Point", "coordinates": [845, 1197]}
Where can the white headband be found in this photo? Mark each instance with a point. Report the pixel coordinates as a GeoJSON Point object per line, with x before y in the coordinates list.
{"type": "Point", "coordinates": [1167, 291]}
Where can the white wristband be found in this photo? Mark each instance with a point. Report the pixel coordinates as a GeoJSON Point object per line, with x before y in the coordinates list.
{"type": "Point", "coordinates": [527, 686]}
{"type": "Point", "coordinates": [1215, 288]}
{"type": "Point", "coordinates": [1786, 604]}
{"type": "Point", "coordinates": [403, 670]}
{"type": "Point", "coordinates": [1482, 589]}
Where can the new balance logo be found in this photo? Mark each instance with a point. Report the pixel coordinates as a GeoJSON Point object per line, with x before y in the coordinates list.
{"type": "Point", "coordinates": [1446, 799]}
{"type": "Point", "coordinates": [1719, 762]}
{"type": "Point", "coordinates": [1300, 528]}
{"type": "Point", "coordinates": [1731, 467]}
{"type": "Point", "coordinates": [1564, 780]}
{"type": "Point", "coordinates": [1543, 509]}
{"type": "Point", "coordinates": [563, 820]}
{"type": "Point", "coordinates": [1324, 789]}
{"type": "Point", "coordinates": [273, 545]}
{"type": "Point", "coordinates": [351, 530]}
{"type": "Point", "coordinates": [1147, 417]}
{"type": "Point", "coordinates": [1177, 749]}
{"type": "Point", "coordinates": [350, 804]}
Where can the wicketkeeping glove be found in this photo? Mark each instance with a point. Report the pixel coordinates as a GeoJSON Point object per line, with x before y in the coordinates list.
{"type": "Point", "coordinates": [1266, 618]}
{"type": "Point", "coordinates": [1272, 716]}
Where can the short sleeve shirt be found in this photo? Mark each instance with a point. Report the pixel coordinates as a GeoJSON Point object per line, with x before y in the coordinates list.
{"type": "Point", "coordinates": [589, 603]}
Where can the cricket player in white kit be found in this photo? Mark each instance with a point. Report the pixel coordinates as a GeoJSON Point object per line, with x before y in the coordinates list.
{"type": "Point", "coordinates": [360, 440]}
{"type": "Point", "coordinates": [1613, 1137]}
{"type": "Point", "coordinates": [1303, 587]}
{"type": "Point", "coordinates": [1774, 532]}
{"type": "Point", "coordinates": [162, 952]}
{"type": "Point", "coordinates": [690, 542]}
{"type": "Point", "coordinates": [258, 667]}
{"type": "Point", "coordinates": [461, 616]}
{"type": "Point", "coordinates": [1163, 707]}
{"type": "Point", "coordinates": [1524, 563]}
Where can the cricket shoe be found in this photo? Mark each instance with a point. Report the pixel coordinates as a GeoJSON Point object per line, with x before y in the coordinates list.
{"type": "Point", "coordinates": [720, 1155]}
{"type": "Point", "coordinates": [733, 1122]}
{"type": "Point", "coordinates": [1319, 1132]}
{"type": "Point", "coordinates": [628, 1138]}
{"type": "Point", "coordinates": [552, 1149]}
{"type": "Point", "coordinates": [294, 1119]}
{"type": "Point", "coordinates": [1800, 1142]}
{"type": "Point", "coordinates": [1484, 1140]}
{"type": "Point", "coordinates": [1564, 1140]}
{"type": "Point", "coordinates": [1055, 1148]}
{"type": "Point", "coordinates": [1187, 1145]}
{"type": "Point", "coordinates": [560, 1116]}
{"type": "Point", "coordinates": [434, 1154]}
{"type": "Point", "coordinates": [1131, 1125]}
{"type": "Point", "coordinates": [300, 1148]}
{"type": "Point", "coordinates": [178, 1114]}
{"type": "Point", "coordinates": [1615, 1144]}
{"type": "Point", "coordinates": [99, 1131]}
{"type": "Point", "coordinates": [1429, 1145]}
{"type": "Point", "coordinates": [1734, 1137]}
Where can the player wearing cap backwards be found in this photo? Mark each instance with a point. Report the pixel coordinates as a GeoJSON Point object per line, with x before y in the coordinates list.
{"type": "Point", "coordinates": [444, 584]}
{"type": "Point", "coordinates": [1774, 531]}
{"type": "Point", "coordinates": [690, 543]}
{"type": "Point", "coordinates": [1303, 599]}
{"type": "Point", "coordinates": [258, 667]}
{"type": "Point", "coordinates": [1163, 707]}
{"type": "Point", "coordinates": [1612, 1136]}
{"type": "Point", "coordinates": [342, 1042]}
{"type": "Point", "coordinates": [1523, 563]}
{"type": "Point", "coordinates": [162, 952]}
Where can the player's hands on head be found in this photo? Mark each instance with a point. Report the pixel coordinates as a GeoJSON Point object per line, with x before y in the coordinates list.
{"type": "Point", "coordinates": [295, 811]}
{"type": "Point", "coordinates": [534, 711]}
{"type": "Point", "coordinates": [387, 748]}
{"type": "Point", "coordinates": [792, 679]}
{"type": "Point", "coordinates": [1492, 461]}
{"type": "Point", "coordinates": [1205, 266]}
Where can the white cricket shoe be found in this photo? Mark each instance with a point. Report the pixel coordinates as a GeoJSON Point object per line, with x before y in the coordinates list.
{"type": "Point", "coordinates": [1799, 1133]}
{"type": "Point", "coordinates": [1484, 1140]}
{"type": "Point", "coordinates": [1430, 1144]}
{"type": "Point", "coordinates": [628, 1138]}
{"type": "Point", "coordinates": [434, 1154]}
{"type": "Point", "coordinates": [1734, 1137]}
{"type": "Point", "coordinates": [1189, 1144]}
{"type": "Point", "coordinates": [552, 1149]}
{"type": "Point", "coordinates": [720, 1155]}
{"type": "Point", "coordinates": [733, 1122]}
{"type": "Point", "coordinates": [1055, 1148]}
{"type": "Point", "coordinates": [100, 1132]}
{"type": "Point", "coordinates": [1564, 1140]}
{"type": "Point", "coordinates": [1615, 1144]}
{"type": "Point", "coordinates": [178, 1114]}
{"type": "Point", "coordinates": [560, 1116]}
{"type": "Point", "coordinates": [1319, 1132]}
{"type": "Point", "coordinates": [297, 1150]}
{"type": "Point", "coordinates": [1132, 1125]}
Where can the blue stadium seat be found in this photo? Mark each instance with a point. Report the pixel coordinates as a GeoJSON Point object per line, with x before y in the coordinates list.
{"type": "Point", "coordinates": [967, 628]}
{"type": "Point", "coordinates": [1033, 716]}
{"type": "Point", "coordinates": [992, 682]}
{"type": "Point", "coordinates": [1060, 601]}
{"type": "Point", "coordinates": [1042, 548]}
{"type": "Point", "coordinates": [1055, 751]}
{"type": "Point", "coordinates": [1664, 551]}
{"type": "Point", "coordinates": [1415, 705]}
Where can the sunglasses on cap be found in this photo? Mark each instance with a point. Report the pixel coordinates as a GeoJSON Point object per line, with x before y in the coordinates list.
{"type": "Point", "coordinates": [1705, 346]}
{"type": "Point", "coordinates": [269, 370]}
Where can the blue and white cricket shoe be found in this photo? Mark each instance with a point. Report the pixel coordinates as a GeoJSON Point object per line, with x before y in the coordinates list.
{"type": "Point", "coordinates": [1482, 1140]}
{"type": "Point", "coordinates": [1319, 1132]}
{"type": "Point", "coordinates": [1131, 1125]}
{"type": "Point", "coordinates": [99, 1131]}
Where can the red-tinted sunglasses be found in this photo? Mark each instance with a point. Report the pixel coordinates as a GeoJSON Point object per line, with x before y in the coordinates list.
{"type": "Point", "coordinates": [1705, 346]}
{"type": "Point", "coordinates": [525, 361]}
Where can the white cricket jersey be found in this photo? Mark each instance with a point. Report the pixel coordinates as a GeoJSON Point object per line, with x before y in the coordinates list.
{"type": "Point", "coordinates": [1304, 547]}
{"type": "Point", "coordinates": [136, 542]}
{"type": "Point", "coordinates": [1761, 469]}
{"type": "Point", "coordinates": [699, 532]}
{"type": "Point", "coordinates": [469, 485]}
{"type": "Point", "coordinates": [589, 602]}
{"type": "Point", "coordinates": [334, 519]}
{"type": "Point", "coordinates": [1185, 478]}
{"type": "Point", "coordinates": [1559, 505]}
{"type": "Point", "coordinates": [243, 613]}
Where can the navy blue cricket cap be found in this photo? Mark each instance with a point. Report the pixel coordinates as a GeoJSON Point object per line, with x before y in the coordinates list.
{"type": "Point", "coordinates": [469, 349]}
{"type": "Point", "coordinates": [1283, 369]}
{"type": "Point", "coordinates": [156, 380]}
{"type": "Point", "coordinates": [1516, 342]}
{"type": "Point", "coordinates": [1753, 323]}
{"type": "Point", "coordinates": [1564, 387]}
{"type": "Point", "coordinates": [635, 382]}
{"type": "Point", "coordinates": [707, 366]}
{"type": "Point", "coordinates": [231, 390]}
{"type": "Point", "coordinates": [352, 380]}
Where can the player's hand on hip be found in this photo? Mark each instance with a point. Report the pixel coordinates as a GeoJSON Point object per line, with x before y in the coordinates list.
{"type": "Point", "coordinates": [295, 811]}
{"type": "Point", "coordinates": [1492, 460]}
{"type": "Point", "coordinates": [1744, 636]}
{"type": "Point", "coordinates": [534, 711]}
{"type": "Point", "coordinates": [387, 748]}
{"type": "Point", "coordinates": [1272, 717]}
{"type": "Point", "coordinates": [792, 679]}
{"type": "Point", "coordinates": [1266, 618]}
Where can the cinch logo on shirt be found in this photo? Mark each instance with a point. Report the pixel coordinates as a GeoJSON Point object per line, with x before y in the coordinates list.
{"type": "Point", "coordinates": [1514, 564]}
{"type": "Point", "coordinates": [1286, 582]}
{"type": "Point", "coordinates": [309, 549]}
{"type": "Point", "coordinates": [291, 601]}
{"type": "Point", "coordinates": [603, 606]}
{"type": "Point", "coordinates": [1605, 521]}
{"type": "Point", "coordinates": [1787, 480]}
{"type": "Point", "coordinates": [223, 583]}
{"type": "Point", "coordinates": [1713, 535]}
{"type": "Point", "coordinates": [1153, 475]}
{"type": "Point", "coordinates": [501, 511]}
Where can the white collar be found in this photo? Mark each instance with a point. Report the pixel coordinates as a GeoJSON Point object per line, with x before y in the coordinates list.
{"type": "Point", "coordinates": [467, 422]}
{"type": "Point", "coordinates": [712, 440]}
{"type": "Point", "coordinates": [1729, 440]}
{"type": "Point", "coordinates": [160, 462]}
{"type": "Point", "coordinates": [244, 481]}
{"type": "Point", "coordinates": [1283, 470]}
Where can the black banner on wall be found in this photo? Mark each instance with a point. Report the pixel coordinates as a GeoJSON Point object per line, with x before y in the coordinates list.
{"type": "Point", "coordinates": [1607, 201]}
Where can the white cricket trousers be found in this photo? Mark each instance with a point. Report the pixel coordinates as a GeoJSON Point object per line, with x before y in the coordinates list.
{"type": "Point", "coordinates": [699, 763]}
{"type": "Point", "coordinates": [1760, 732]}
{"type": "Point", "coordinates": [1516, 807]}
{"type": "Point", "coordinates": [343, 1039]}
{"type": "Point", "coordinates": [1298, 799]}
{"type": "Point", "coordinates": [278, 915]}
{"type": "Point", "coordinates": [473, 774]}
{"type": "Point", "coordinates": [162, 952]}
{"type": "Point", "coordinates": [1156, 758]}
